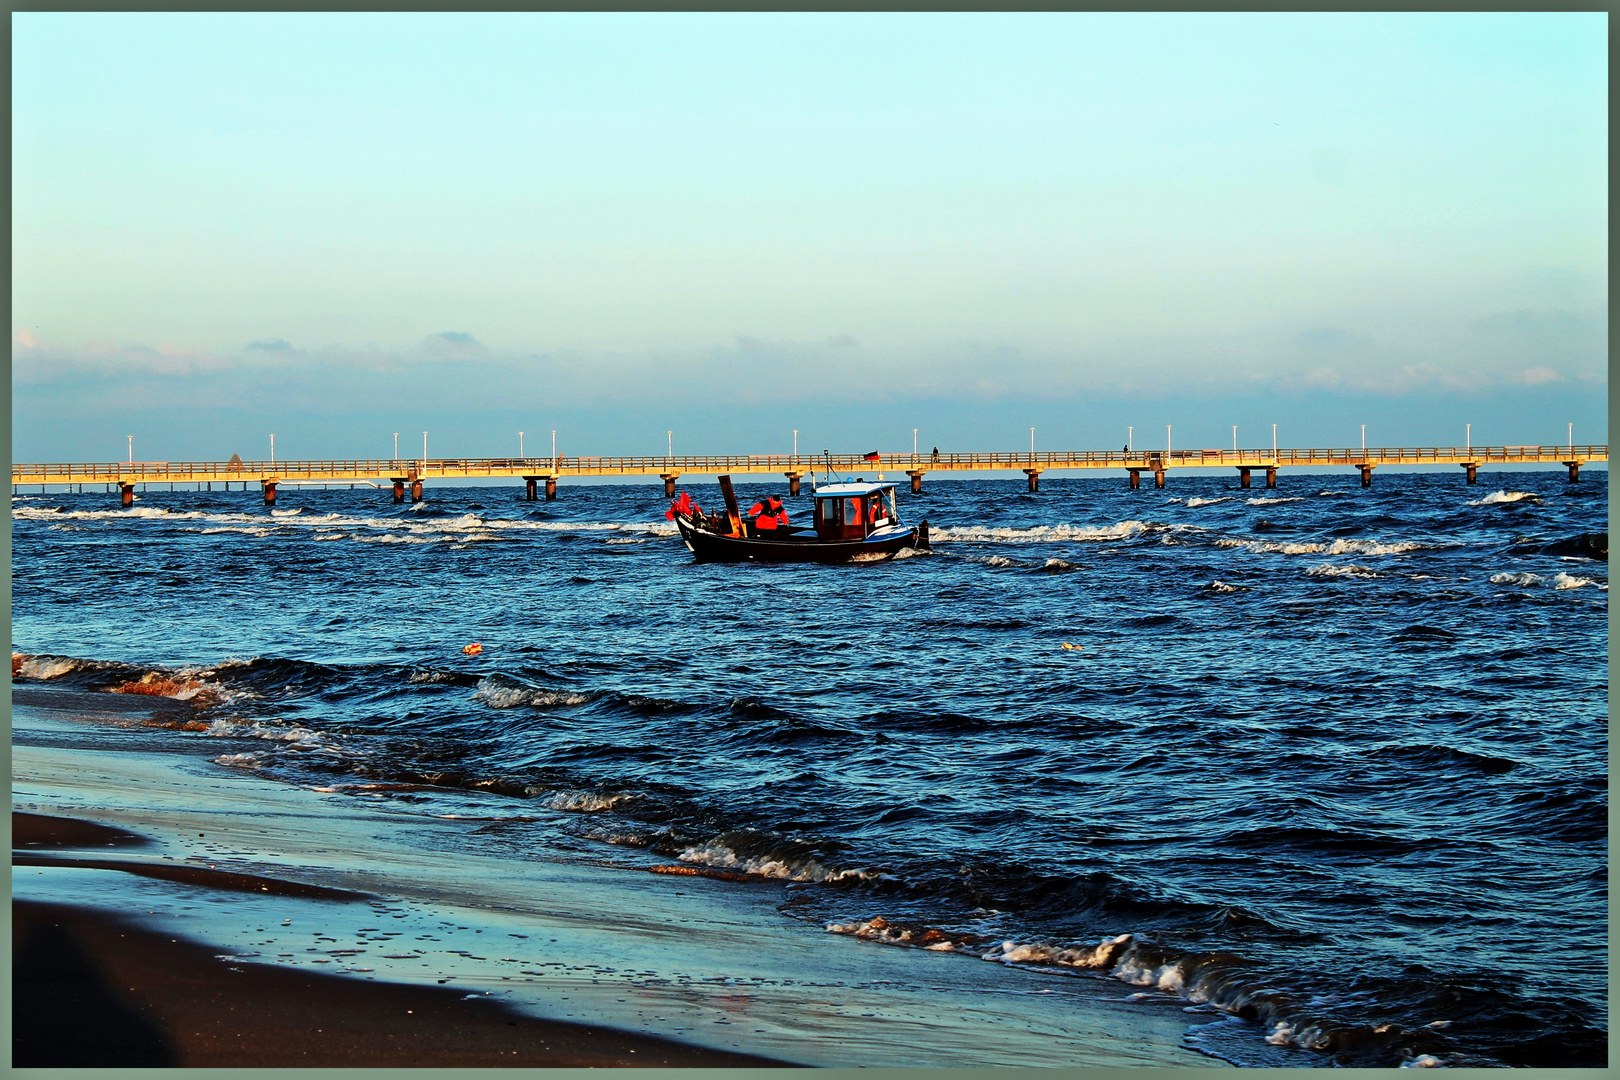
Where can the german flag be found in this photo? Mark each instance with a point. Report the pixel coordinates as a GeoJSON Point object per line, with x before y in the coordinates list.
{"type": "Point", "coordinates": [873, 456]}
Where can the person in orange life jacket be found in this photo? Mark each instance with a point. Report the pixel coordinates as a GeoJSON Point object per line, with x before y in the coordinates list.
{"type": "Point", "coordinates": [768, 513]}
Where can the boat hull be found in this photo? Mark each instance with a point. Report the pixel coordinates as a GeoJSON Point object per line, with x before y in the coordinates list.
{"type": "Point", "coordinates": [712, 547]}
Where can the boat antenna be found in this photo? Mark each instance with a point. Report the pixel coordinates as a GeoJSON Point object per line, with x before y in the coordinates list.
{"type": "Point", "coordinates": [828, 455]}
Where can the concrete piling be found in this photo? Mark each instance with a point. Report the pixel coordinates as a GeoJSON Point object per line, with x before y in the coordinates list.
{"type": "Point", "coordinates": [669, 483]}
{"type": "Point", "coordinates": [399, 490]}
{"type": "Point", "coordinates": [1471, 469]}
{"type": "Point", "coordinates": [269, 492]}
{"type": "Point", "coordinates": [1271, 476]}
{"type": "Point", "coordinates": [551, 489]}
{"type": "Point", "coordinates": [1243, 478]}
{"type": "Point", "coordinates": [1136, 478]}
{"type": "Point", "coordinates": [126, 494]}
{"type": "Point", "coordinates": [529, 488]}
{"type": "Point", "coordinates": [416, 489]}
{"type": "Point", "coordinates": [1034, 479]}
{"type": "Point", "coordinates": [1158, 478]}
{"type": "Point", "coordinates": [793, 479]}
{"type": "Point", "coordinates": [1574, 471]}
{"type": "Point", "coordinates": [1366, 475]}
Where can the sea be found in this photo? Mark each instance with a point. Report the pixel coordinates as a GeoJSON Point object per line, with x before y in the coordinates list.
{"type": "Point", "coordinates": [1324, 766]}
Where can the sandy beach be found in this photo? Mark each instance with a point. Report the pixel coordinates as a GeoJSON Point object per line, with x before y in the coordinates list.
{"type": "Point", "coordinates": [168, 911]}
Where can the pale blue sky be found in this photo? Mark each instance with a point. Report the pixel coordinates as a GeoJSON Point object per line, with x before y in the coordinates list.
{"type": "Point", "coordinates": [962, 216]}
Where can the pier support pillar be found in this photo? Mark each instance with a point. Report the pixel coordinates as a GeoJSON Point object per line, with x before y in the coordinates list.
{"type": "Point", "coordinates": [269, 492]}
{"type": "Point", "coordinates": [551, 489]}
{"type": "Point", "coordinates": [1366, 475]}
{"type": "Point", "coordinates": [126, 495]}
{"type": "Point", "coordinates": [529, 489]}
{"type": "Point", "coordinates": [793, 479]}
{"type": "Point", "coordinates": [1471, 468]}
{"type": "Point", "coordinates": [1574, 471]}
{"type": "Point", "coordinates": [1158, 478]}
{"type": "Point", "coordinates": [416, 489]}
{"type": "Point", "coordinates": [399, 490]}
{"type": "Point", "coordinates": [1243, 478]}
{"type": "Point", "coordinates": [1034, 479]}
{"type": "Point", "coordinates": [669, 483]}
{"type": "Point", "coordinates": [1271, 476]}
{"type": "Point", "coordinates": [916, 479]}
{"type": "Point", "coordinates": [1136, 478]}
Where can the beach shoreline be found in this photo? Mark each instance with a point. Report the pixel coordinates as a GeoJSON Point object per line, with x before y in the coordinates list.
{"type": "Point", "coordinates": [191, 897]}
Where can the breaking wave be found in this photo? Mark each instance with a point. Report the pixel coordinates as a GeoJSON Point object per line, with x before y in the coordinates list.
{"type": "Point", "coordinates": [1042, 534]}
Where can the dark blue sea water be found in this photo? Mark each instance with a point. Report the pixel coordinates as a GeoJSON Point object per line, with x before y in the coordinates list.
{"type": "Point", "coordinates": [1331, 760]}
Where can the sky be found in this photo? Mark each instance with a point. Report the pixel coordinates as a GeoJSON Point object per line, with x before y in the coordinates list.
{"type": "Point", "coordinates": [337, 227]}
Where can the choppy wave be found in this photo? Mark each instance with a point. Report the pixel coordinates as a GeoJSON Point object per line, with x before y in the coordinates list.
{"type": "Point", "coordinates": [499, 692]}
{"type": "Point", "coordinates": [1273, 502]}
{"type": "Point", "coordinates": [1497, 498]}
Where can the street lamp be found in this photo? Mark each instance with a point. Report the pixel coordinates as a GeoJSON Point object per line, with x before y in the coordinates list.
{"type": "Point", "coordinates": [1273, 442]}
{"type": "Point", "coordinates": [1468, 438]}
{"type": "Point", "coordinates": [520, 444]}
{"type": "Point", "coordinates": [1130, 439]}
{"type": "Point", "coordinates": [670, 441]}
{"type": "Point", "coordinates": [1234, 438]}
{"type": "Point", "coordinates": [553, 444]}
{"type": "Point", "coordinates": [914, 445]}
{"type": "Point", "coordinates": [1363, 440]}
{"type": "Point", "coordinates": [424, 451]}
{"type": "Point", "coordinates": [132, 447]}
{"type": "Point", "coordinates": [272, 448]}
{"type": "Point", "coordinates": [795, 442]}
{"type": "Point", "coordinates": [396, 446]}
{"type": "Point", "coordinates": [1571, 440]}
{"type": "Point", "coordinates": [1167, 442]}
{"type": "Point", "coordinates": [1032, 444]}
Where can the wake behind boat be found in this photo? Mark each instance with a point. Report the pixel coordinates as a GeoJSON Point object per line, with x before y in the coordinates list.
{"type": "Point", "coordinates": [854, 522]}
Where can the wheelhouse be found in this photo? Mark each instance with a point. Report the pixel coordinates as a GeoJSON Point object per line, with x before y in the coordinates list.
{"type": "Point", "coordinates": [854, 511]}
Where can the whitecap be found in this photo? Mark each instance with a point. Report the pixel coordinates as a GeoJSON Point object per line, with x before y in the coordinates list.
{"type": "Point", "coordinates": [1331, 571]}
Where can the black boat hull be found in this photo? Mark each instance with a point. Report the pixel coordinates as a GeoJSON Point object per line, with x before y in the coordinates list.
{"type": "Point", "coordinates": [707, 546]}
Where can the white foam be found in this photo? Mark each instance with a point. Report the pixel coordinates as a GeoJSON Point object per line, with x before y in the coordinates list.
{"type": "Point", "coordinates": [45, 668]}
{"type": "Point", "coordinates": [1195, 501]}
{"type": "Point", "coordinates": [293, 512]}
{"type": "Point", "coordinates": [1422, 1061]}
{"type": "Point", "coordinates": [1523, 579]}
{"type": "Point", "coordinates": [1274, 502]}
{"type": "Point", "coordinates": [588, 802]}
{"type": "Point", "coordinates": [722, 857]}
{"type": "Point", "coordinates": [1221, 586]}
{"type": "Point", "coordinates": [1570, 581]}
{"type": "Point", "coordinates": [1042, 534]}
{"type": "Point", "coordinates": [240, 761]}
{"type": "Point", "coordinates": [1331, 571]}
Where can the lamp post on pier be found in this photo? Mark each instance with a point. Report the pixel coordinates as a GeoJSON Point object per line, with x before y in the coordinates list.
{"type": "Point", "coordinates": [272, 448]}
{"type": "Point", "coordinates": [1468, 438]}
{"type": "Point", "coordinates": [670, 442]}
{"type": "Point", "coordinates": [396, 446]}
{"type": "Point", "coordinates": [1363, 440]}
{"type": "Point", "coordinates": [1130, 439]}
{"type": "Point", "coordinates": [131, 439]}
{"type": "Point", "coordinates": [1234, 438]}
{"type": "Point", "coordinates": [1273, 442]}
{"type": "Point", "coordinates": [520, 444]}
{"type": "Point", "coordinates": [795, 442]}
{"type": "Point", "coordinates": [424, 451]}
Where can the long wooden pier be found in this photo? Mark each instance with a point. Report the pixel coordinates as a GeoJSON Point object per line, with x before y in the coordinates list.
{"type": "Point", "coordinates": [411, 474]}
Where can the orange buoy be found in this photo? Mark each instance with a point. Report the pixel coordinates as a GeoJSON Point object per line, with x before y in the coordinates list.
{"type": "Point", "coordinates": [472, 650]}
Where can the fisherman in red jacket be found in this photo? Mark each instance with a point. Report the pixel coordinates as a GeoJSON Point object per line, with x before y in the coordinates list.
{"type": "Point", "coordinates": [768, 513]}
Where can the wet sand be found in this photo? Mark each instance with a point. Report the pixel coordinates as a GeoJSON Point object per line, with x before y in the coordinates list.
{"type": "Point", "coordinates": [208, 916]}
{"type": "Point", "coordinates": [90, 989]}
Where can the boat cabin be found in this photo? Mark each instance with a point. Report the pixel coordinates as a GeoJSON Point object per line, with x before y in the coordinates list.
{"type": "Point", "coordinates": [854, 511]}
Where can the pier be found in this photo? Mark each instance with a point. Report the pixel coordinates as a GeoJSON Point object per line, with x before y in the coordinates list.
{"type": "Point", "coordinates": [412, 476]}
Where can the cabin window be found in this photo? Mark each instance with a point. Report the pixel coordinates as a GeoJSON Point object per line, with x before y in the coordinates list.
{"type": "Point", "coordinates": [852, 512]}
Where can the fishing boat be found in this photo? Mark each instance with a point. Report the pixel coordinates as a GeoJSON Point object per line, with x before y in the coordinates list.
{"type": "Point", "coordinates": [854, 522]}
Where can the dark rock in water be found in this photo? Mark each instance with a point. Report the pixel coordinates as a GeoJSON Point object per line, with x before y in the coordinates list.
{"type": "Point", "coordinates": [1592, 545]}
{"type": "Point", "coordinates": [1264, 526]}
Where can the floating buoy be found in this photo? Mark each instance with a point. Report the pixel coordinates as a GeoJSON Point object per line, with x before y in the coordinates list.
{"type": "Point", "coordinates": [1066, 645]}
{"type": "Point", "coordinates": [472, 650]}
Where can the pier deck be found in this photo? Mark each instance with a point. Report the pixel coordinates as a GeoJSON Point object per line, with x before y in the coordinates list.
{"type": "Point", "coordinates": [413, 472]}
